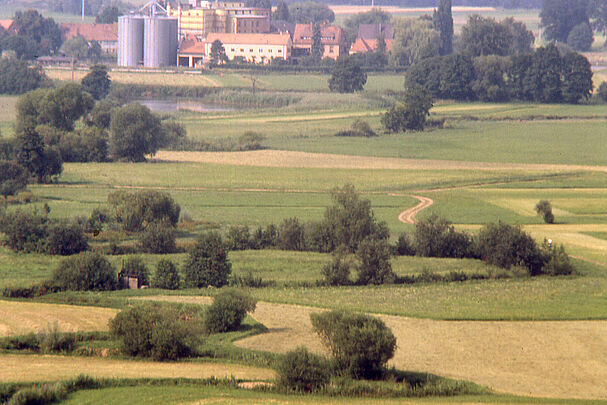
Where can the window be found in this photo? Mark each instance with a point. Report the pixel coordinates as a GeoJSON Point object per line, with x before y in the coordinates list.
{"type": "Point", "coordinates": [260, 50]}
{"type": "Point", "coordinates": [280, 51]}
{"type": "Point", "coordinates": [270, 50]}
{"type": "Point", "coordinates": [241, 50]}
{"type": "Point", "coordinates": [232, 49]}
{"type": "Point", "coordinates": [251, 50]}
{"type": "Point", "coordinates": [330, 49]}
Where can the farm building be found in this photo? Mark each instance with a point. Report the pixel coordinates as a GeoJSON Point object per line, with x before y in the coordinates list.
{"type": "Point", "coordinates": [191, 52]}
{"type": "Point", "coordinates": [256, 48]}
{"type": "Point", "coordinates": [105, 34]}
{"type": "Point", "coordinates": [202, 18]}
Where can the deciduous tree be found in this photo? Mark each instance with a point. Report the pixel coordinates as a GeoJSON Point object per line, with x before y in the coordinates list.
{"type": "Point", "coordinates": [134, 132]}
{"type": "Point", "coordinates": [347, 76]}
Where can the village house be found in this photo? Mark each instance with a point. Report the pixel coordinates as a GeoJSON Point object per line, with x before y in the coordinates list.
{"type": "Point", "coordinates": [105, 34]}
{"type": "Point", "coordinates": [332, 38]}
{"type": "Point", "coordinates": [369, 36]}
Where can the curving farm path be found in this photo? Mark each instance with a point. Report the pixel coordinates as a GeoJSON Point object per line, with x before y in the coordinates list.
{"type": "Point", "coordinates": [408, 215]}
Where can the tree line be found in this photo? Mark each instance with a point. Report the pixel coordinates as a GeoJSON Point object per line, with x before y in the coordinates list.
{"type": "Point", "coordinates": [543, 76]}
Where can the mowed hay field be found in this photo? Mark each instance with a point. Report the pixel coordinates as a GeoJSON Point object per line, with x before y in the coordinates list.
{"type": "Point", "coordinates": [20, 318]}
{"type": "Point", "coordinates": [548, 359]}
{"type": "Point", "coordinates": [30, 367]}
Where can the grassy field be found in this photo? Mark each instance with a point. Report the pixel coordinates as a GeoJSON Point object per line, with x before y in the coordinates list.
{"type": "Point", "coordinates": [307, 82]}
{"type": "Point", "coordinates": [211, 395]}
{"type": "Point", "coordinates": [491, 162]}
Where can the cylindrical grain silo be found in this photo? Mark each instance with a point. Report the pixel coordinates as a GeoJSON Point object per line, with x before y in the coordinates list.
{"type": "Point", "coordinates": [160, 41]}
{"type": "Point", "coordinates": [130, 40]}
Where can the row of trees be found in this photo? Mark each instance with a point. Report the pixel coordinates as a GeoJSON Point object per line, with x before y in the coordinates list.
{"type": "Point", "coordinates": [543, 76]}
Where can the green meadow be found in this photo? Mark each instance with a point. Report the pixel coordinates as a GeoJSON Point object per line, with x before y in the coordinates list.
{"type": "Point", "coordinates": [489, 163]}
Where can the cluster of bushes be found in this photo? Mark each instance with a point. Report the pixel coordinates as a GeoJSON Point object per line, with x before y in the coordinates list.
{"type": "Point", "coordinates": [500, 244]}
{"type": "Point", "coordinates": [545, 76]}
{"type": "Point", "coordinates": [167, 332]}
{"type": "Point", "coordinates": [358, 128]}
{"type": "Point", "coordinates": [30, 232]}
{"type": "Point", "coordinates": [360, 346]}
{"type": "Point", "coordinates": [250, 140]}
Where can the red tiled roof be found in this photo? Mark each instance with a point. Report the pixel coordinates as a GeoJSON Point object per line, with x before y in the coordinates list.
{"type": "Point", "coordinates": [191, 46]}
{"type": "Point", "coordinates": [368, 45]}
{"type": "Point", "coordinates": [90, 32]}
{"type": "Point", "coordinates": [6, 24]}
{"type": "Point", "coordinates": [372, 31]}
{"type": "Point", "coordinates": [249, 39]}
{"type": "Point", "coordinates": [329, 35]}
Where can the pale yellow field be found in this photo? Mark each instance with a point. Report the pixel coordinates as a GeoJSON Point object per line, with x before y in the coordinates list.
{"type": "Point", "coordinates": [339, 9]}
{"type": "Point", "coordinates": [23, 368]}
{"type": "Point", "coordinates": [18, 318]}
{"type": "Point", "coordinates": [168, 79]}
{"type": "Point", "coordinates": [280, 158]}
{"type": "Point", "coordinates": [549, 359]}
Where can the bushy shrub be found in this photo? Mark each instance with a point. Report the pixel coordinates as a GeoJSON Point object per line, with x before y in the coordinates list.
{"type": "Point", "coordinates": [601, 92]}
{"type": "Point", "coordinates": [167, 276]}
{"type": "Point", "coordinates": [207, 263]}
{"type": "Point", "coordinates": [544, 209]}
{"type": "Point", "coordinates": [24, 231]}
{"type": "Point", "coordinates": [136, 210]}
{"type": "Point", "coordinates": [264, 238]}
{"type": "Point", "coordinates": [403, 246]}
{"type": "Point", "coordinates": [374, 266]}
{"type": "Point", "coordinates": [436, 237]}
{"type": "Point", "coordinates": [291, 235]}
{"type": "Point", "coordinates": [158, 237]}
{"type": "Point", "coordinates": [13, 177]}
{"type": "Point", "coordinates": [152, 330]}
{"type": "Point", "coordinates": [337, 271]}
{"type": "Point", "coordinates": [302, 371]}
{"type": "Point", "coordinates": [86, 271]}
{"type": "Point", "coordinates": [39, 394]}
{"type": "Point", "coordinates": [88, 144]}
{"type": "Point", "coordinates": [54, 340]}
{"type": "Point", "coordinates": [250, 141]}
{"type": "Point", "coordinates": [361, 345]}
{"type": "Point", "coordinates": [238, 238]}
{"type": "Point", "coordinates": [506, 246]}
{"type": "Point", "coordinates": [134, 267]}
{"type": "Point", "coordinates": [318, 237]}
{"type": "Point", "coordinates": [98, 218]}
{"type": "Point", "coordinates": [66, 239]}
{"type": "Point", "coordinates": [557, 262]}
{"type": "Point", "coordinates": [358, 128]}
{"type": "Point", "coordinates": [228, 310]}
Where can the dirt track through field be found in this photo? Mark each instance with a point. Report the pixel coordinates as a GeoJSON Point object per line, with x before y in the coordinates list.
{"type": "Point", "coordinates": [558, 359]}
{"type": "Point", "coordinates": [408, 215]}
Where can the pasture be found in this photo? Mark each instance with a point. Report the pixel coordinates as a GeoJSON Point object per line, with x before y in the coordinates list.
{"type": "Point", "coordinates": [525, 336]}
